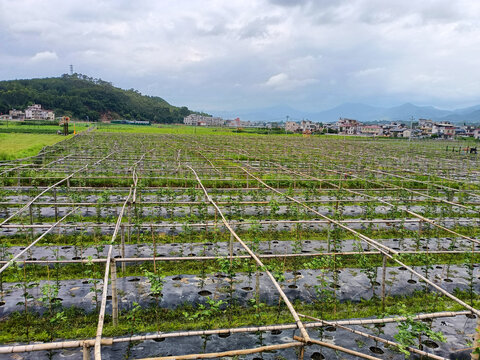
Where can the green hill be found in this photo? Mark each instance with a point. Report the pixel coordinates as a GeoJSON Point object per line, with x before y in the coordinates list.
{"type": "Point", "coordinates": [82, 97]}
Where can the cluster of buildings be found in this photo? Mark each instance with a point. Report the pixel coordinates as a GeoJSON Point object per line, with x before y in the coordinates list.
{"type": "Point", "coordinates": [424, 128]}
{"type": "Point", "coordinates": [202, 120]}
{"type": "Point", "coordinates": [33, 112]}
{"type": "Point", "coordinates": [346, 126]}
{"type": "Point", "coordinates": [304, 126]}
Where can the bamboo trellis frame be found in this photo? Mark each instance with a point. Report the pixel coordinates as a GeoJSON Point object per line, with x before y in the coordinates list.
{"type": "Point", "coordinates": [220, 171]}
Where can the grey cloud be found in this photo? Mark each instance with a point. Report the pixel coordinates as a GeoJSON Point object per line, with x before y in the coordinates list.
{"type": "Point", "coordinates": [289, 3]}
{"type": "Point", "coordinates": [222, 54]}
{"type": "Point", "coordinates": [258, 27]}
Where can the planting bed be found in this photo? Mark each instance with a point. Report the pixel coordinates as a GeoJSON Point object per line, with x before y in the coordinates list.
{"type": "Point", "coordinates": [118, 245]}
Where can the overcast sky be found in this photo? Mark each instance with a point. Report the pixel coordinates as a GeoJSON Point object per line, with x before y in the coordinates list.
{"type": "Point", "coordinates": [240, 54]}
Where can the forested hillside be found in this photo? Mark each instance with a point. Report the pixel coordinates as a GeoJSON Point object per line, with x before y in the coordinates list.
{"type": "Point", "coordinates": [82, 97]}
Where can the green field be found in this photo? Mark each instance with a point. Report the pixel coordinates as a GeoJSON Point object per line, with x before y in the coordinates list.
{"type": "Point", "coordinates": [26, 128]}
{"type": "Point", "coordinates": [14, 146]}
{"type": "Point", "coordinates": [178, 129]}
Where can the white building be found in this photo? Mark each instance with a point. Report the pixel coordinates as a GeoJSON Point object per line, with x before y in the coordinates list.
{"type": "Point", "coordinates": [407, 133]}
{"type": "Point", "coordinates": [16, 114]}
{"type": "Point", "coordinates": [302, 126]}
{"type": "Point", "coordinates": [200, 120]}
{"type": "Point", "coordinates": [35, 112]}
{"type": "Point", "coordinates": [374, 130]}
{"type": "Point", "coordinates": [292, 126]}
{"type": "Point", "coordinates": [348, 126]}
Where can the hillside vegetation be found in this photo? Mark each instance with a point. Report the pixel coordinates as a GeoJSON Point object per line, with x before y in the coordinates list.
{"type": "Point", "coordinates": [82, 97]}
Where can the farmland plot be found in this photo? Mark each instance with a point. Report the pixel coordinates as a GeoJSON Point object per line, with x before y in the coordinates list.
{"type": "Point", "coordinates": [178, 246]}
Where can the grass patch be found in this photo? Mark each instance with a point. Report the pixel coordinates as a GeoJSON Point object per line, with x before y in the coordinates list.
{"type": "Point", "coordinates": [21, 327]}
{"type": "Point", "coordinates": [15, 146]}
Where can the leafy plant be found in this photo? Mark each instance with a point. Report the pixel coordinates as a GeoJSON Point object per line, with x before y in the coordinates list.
{"type": "Point", "coordinates": [410, 332]}
{"type": "Point", "coordinates": [207, 311]}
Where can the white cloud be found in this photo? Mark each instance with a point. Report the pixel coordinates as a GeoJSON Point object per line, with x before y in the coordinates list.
{"type": "Point", "coordinates": [284, 82]}
{"type": "Point", "coordinates": [44, 56]}
{"type": "Point", "coordinates": [369, 72]}
{"type": "Point", "coordinates": [278, 80]}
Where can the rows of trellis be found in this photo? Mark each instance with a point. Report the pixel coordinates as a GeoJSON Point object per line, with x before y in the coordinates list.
{"type": "Point", "coordinates": [283, 229]}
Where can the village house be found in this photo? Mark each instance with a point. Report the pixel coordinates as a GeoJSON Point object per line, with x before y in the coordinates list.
{"type": "Point", "coordinates": [201, 120]}
{"type": "Point", "coordinates": [444, 130]}
{"type": "Point", "coordinates": [304, 126]}
{"type": "Point", "coordinates": [407, 133]}
{"type": "Point", "coordinates": [425, 126]}
{"type": "Point", "coordinates": [307, 125]}
{"type": "Point", "coordinates": [292, 126]}
{"type": "Point", "coordinates": [348, 126]}
{"type": "Point", "coordinates": [35, 112]}
{"type": "Point", "coordinates": [371, 130]}
{"type": "Point", "coordinates": [16, 115]}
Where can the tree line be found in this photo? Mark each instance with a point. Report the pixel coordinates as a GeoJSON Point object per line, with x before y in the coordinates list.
{"type": "Point", "coordinates": [86, 98]}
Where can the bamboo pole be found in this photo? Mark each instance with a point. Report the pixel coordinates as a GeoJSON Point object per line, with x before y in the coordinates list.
{"type": "Point", "coordinates": [12, 260]}
{"type": "Point", "coordinates": [30, 211]}
{"type": "Point", "coordinates": [340, 348]}
{"type": "Point", "coordinates": [384, 274]}
{"type": "Point", "coordinates": [101, 315]}
{"type": "Point", "coordinates": [55, 200]}
{"type": "Point", "coordinates": [423, 182]}
{"type": "Point", "coordinates": [113, 275]}
{"type": "Point", "coordinates": [257, 260]}
{"type": "Point", "coordinates": [86, 352]}
{"type": "Point", "coordinates": [110, 341]}
{"type": "Point", "coordinates": [49, 188]}
{"type": "Point", "coordinates": [52, 346]}
{"type": "Point", "coordinates": [229, 353]}
{"type": "Point", "coordinates": [301, 353]}
{"type": "Point", "coordinates": [230, 249]}
{"type": "Point", "coordinates": [380, 247]}
{"type": "Point", "coordinates": [122, 246]}
{"type": "Point", "coordinates": [376, 338]}
{"type": "Point", "coordinates": [412, 213]}
{"type": "Point", "coordinates": [202, 258]}
{"type": "Point", "coordinates": [234, 222]}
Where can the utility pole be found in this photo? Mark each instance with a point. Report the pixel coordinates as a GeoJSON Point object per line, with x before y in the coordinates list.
{"type": "Point", "coordinates": [288, 117]}
{"type": "Point", "coordinates": [411, 128]}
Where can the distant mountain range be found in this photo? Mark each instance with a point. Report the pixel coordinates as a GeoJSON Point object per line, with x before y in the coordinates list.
{"type": "Point", "coordinates": [361, 112]}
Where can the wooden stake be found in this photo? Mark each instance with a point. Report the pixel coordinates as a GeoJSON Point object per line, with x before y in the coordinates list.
{"type": "Point", "coordinates": [86, 352]}
{"type": "Point", "coordinates": [154, 251]}
{"type": "Point", "coordinates": [31, 220]}
{"type": "Point", "coordinates": [129, 216]}
{"type": "Point", "coordinates": [113, 274]}
{"type": "Point", "coordinates": [122, 246]}
{"type": "Point", "coordinates": [55, 200]}
{"type": "Point", "coordinates": [384, 272]}
{"type": "Point", "coordinates": [476, 341]}
{"type": "Point", "coordinates": [230, 249]}
{"type": "Point", "coordinates": [301, 353]}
